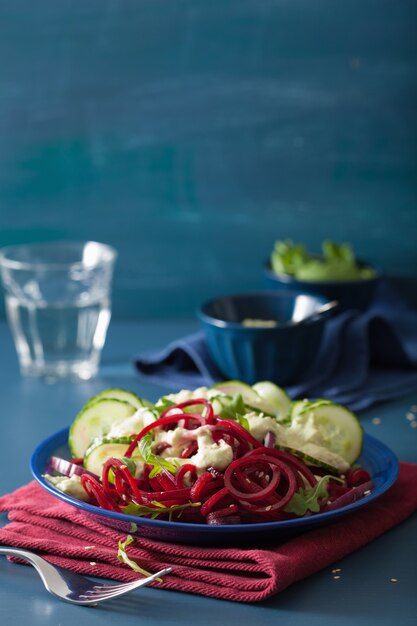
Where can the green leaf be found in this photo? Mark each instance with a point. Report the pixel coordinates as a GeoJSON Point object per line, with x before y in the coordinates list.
{"type": "Point", "coordinates": [163, 404]}
{"type": "Point", "coordinates": [158, 462]}
{"type": "Point", "coordinates": [308, 499]}
{"type": "Point", "coordinates": [130, 463]}
{"type": "Point", "coordinates": [145, 446]}
{"type": "Point", "coordinates": [243, 422]}
{"type": "Point", "coordinates": [231, 406]}
{"type": "Point", "coordinates": [123, 558]}
{"type": "Point", "coordinates": [157, 509]}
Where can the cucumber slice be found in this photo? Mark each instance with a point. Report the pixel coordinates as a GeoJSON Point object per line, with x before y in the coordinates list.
{"type": "Point", "coordinates": [300, 406]}
{"type": "Point", "coordinates": [232, 387]}
{"type": "Point", "coordinates": [250, 396]}
{"type": "Point", "coordinates": [340, 429]}
{"type": "Point", "coordinates": [95, 420]}
{"type": "Point", "coordinates": [103, 449]}
{"type": "Point", "coordinates": [120, 394]}
{"type": "Point", "coordinates": [317, 456]}
{"type": "Point", "coordinates": [274, 397]}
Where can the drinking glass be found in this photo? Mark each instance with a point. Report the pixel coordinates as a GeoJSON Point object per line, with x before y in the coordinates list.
{"type": "Point", "coordinates": [58, 304]}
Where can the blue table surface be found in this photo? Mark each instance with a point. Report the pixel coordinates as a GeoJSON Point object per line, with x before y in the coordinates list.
{"type": "Point", "coordinates": [32, 409]}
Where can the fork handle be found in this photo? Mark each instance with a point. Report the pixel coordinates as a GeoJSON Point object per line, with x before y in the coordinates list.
{"type": "Point", "coordinates": [23, 554]}
{"type": "Point", "coordinates": [42, 567]}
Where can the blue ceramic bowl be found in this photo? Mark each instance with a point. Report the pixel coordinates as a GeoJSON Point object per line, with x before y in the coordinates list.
{"type": "Point", "coordinates": [282, 353]}
{"type": "Point", "coordinates": [350, 294]}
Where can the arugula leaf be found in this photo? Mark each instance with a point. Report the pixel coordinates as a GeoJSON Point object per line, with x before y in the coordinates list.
{"type": "Point", "coordinates": [243, 421]}
{"type": "Point", "coordinates": [231, 406]}
{"type": "Point", "coordinates": [157, 509]}
{"type": "Point", "coordinates": [123, 558]}
{"type": "Point", "coordinates": [308, 499]}
{"type": "Point", "coordinates": [158, 462]}
{"type": "Point", "coordinates": [163, 403]}
{"type": "Point", "coordinates": [145, 446]}
{"type": "Point", "coordinates": [130, 464]}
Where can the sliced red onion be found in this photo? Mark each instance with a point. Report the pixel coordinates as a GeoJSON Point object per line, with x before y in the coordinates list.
{"type": "Point", "coordinates": [67, 468]}
{"type": "Point", "coordinates": [270, 439]}
{"type": "Point", "coordinates": [356, 493]}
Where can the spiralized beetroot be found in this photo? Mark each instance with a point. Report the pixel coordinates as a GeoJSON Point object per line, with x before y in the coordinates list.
{"type": "Point", "coordinates": [256, 486]}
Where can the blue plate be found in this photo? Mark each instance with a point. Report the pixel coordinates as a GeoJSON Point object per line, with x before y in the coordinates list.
{"type": "Point", "coordinates": [376, 458]}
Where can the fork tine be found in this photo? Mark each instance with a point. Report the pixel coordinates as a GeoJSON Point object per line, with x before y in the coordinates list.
{"type": "Point", "coordinates": [132, 583]}
{"type": "Point", "coordinates": [107, 586]}
{"type": "Point", "coordinates": [111, 591]}
{"type": "Point", "coordinates": [112, 587]}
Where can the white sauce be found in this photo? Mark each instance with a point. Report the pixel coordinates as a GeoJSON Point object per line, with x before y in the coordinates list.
{"type": "Point", "coordinates": [209, 453]}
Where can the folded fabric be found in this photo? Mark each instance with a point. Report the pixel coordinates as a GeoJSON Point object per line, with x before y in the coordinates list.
{"type": "Point", "coordinates": [68, 538]}
{"type": "Point", "coordinates": [364, 358]}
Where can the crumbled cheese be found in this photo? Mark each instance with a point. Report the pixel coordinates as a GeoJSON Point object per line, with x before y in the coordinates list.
{"type": "Point", "coordinates": [132, 424]}
{"type": "Point", "coordinates": [188, 394]}
{"type": "Point", "coordinates": [260, 425]}
{"type": "Point", "coordinates": [71, 486]}
{"type": "Point", "coordinates": [306, 429]}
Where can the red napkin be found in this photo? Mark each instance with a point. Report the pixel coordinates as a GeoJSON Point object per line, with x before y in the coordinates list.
{"type": "Point", "coordinates": [71, 539]}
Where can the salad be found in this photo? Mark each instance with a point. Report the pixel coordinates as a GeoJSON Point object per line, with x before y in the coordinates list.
{"type": "Point", "coordinates": [230, 454]}
{"type": "Point", "coordinates": [337, 262]}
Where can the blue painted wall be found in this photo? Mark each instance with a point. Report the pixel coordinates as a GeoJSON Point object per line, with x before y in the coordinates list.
{"type": "Point", "coordinates": [190, 134]}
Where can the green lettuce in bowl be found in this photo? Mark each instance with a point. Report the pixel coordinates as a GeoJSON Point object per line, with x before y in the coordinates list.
{"type": "Point", "coordinates": [336, 274]}
{"type": "Point", "coordinates": [337, 263]}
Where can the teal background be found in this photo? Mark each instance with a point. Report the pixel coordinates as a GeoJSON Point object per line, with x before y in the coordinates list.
{"type": "Point", "coordinates": [192, 134]}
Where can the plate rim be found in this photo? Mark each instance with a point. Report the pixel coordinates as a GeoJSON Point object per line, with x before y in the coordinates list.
{"type": "Point", "coordinates": [190, 527]}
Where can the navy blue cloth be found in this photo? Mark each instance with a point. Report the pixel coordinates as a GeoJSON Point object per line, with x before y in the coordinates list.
{"type": "Point", "coordinates": [364, 358]}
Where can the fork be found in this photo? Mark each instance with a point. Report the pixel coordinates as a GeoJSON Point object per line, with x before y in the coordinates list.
{"type": "Point", "coordinates": [73, 587]}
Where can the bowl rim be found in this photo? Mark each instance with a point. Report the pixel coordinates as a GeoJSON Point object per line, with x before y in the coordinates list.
{"type": "Point", "coordinates": [292, 280]}
{"type": "Point", "coordinates": [270, 293]}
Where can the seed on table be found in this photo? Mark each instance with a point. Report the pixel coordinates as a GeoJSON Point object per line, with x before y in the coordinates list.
{"type": "Point", "coordinates": [376, 420]}
{"type": "Point", "coordinates": [414, 408]}
{"type": "Point", "coordinates": [410, 416]}
{"type": "Point", "coordinates": [336, 577]}
{"type": "Point", "coordinates": [393, 580]}
{"type": "Point", "coordinates": [413, 424]}
{"type": "Point", "coordinates": [93, 563]}
{"type": "Point", "coordinates": [338, 569]}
